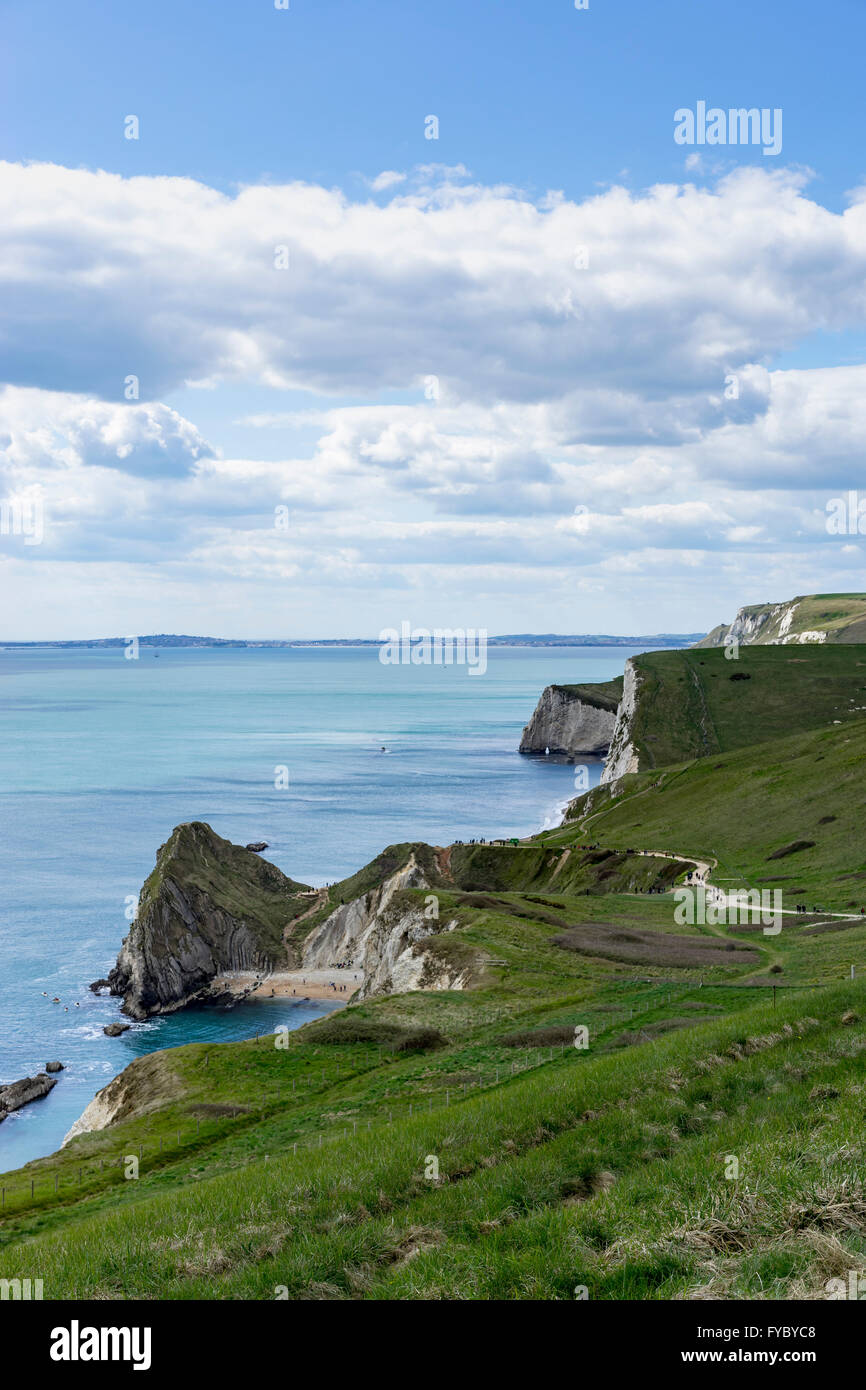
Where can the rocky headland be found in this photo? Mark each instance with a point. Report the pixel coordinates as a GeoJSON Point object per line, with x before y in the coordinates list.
{"type": "Point", "coordinates": [574, 721]}
{"type": "Point", "coordinates": [208, 907]}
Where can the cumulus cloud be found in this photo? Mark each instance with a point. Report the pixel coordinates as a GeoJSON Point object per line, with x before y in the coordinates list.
{"type": "Point", "coordinates": [388, 178]}
{"type": "Point", "coordinates": [557, 398]}
{"type": "Point", "coordinates": [503, 298]}
{"type": "Point", "coordinates": [50, 429]}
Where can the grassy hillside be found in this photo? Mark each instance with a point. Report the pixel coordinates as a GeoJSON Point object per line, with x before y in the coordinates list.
{"type": "Point", "coordinates": [604, 1168]}
{"type": "Point", "coordinates": [838, 617]}
{"type": "Point", "coordinates": [458, 1144]}
{"type": "Point", "coordinates": [696, 703]}
{"type": "Point", "coordinates": [742, 808]}
{"type": "Point", "coordinates": [302, 1166]}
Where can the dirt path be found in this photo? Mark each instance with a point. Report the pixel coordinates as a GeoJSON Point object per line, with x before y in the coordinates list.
{"type": "Point", "coordinates": [319, 901]}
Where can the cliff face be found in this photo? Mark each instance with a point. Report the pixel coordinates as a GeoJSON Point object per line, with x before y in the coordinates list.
{"type": "Point", "coordinates": [623, 756]}
{"type": "Point", "coordinates": [209, 906]}
{"type": "Point", "coordinates": [763, 625]}
{"type": "Point", "coordinates": [808, 618]}
{"type": "Point", "coordinates": [386, 940]}
{"type": "Point", "coordinates": [145, 1085]}
{"type": "Point", "coordinates": [572, 721]}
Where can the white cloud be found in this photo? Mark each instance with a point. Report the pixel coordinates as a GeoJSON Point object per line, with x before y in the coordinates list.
{"type": "Point", "coordinates": [174, 281]}
{"type": "Point", "coordinates": [605, 388]}
{"type": "Point", "coordinates": [389, 178]}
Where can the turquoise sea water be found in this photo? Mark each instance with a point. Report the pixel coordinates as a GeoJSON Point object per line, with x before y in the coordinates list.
{"type": "Point", "coordinates": [102, 756]}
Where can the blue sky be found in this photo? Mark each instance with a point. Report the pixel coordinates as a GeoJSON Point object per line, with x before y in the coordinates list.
{"type": "Point", "coordinates": [540, 95]}
{"type": "Point", "coordinates": [579, 467]}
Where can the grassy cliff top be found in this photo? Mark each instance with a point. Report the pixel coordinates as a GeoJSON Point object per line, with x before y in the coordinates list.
{"type": "Point", "coordinates": [842, 617]}
{"type": "Point", "coordinates": [194, 857]}
{"type": "Point", "coordinates": [695, 703]}
{"type": "Point", "coordinates": [800, 799]}
{"type": "Point", "coordinates": [600, 694]}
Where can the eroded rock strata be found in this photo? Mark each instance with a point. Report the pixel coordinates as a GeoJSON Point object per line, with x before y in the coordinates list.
{"type": "Point", "coordinates": [385, 937]}
{"type": "Point", "coordinates": [208, 907]}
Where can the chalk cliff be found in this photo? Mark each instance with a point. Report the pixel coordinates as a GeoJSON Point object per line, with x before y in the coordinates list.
{"type": "Point", "coordinates": [388, 939]}
{"type": "Point", "coordinates": [623, 756]}
{"type": "Point", "coordinates": [824, 618]}
{"type": "Point", "coordinates": [145, 1085]}
{"type": "Point", "coordinates": [573, 720]}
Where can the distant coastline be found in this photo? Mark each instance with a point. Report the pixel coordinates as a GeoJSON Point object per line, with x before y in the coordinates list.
{"type": "Point", "coordinates": [523, 639]}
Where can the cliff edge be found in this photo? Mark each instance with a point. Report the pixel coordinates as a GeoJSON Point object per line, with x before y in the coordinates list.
{"type": "Point", "coordinates": [392, 937]}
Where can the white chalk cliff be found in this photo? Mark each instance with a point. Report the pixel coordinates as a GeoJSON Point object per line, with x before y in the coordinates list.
{"type": "Point", "coordinates": [623, 757]}
{"type": "Point", "coordinates": [563, 723]}
{"type": "Point", "coordinates": [385, 939]}
{"type": "Point", "coordinates": [765, 625]}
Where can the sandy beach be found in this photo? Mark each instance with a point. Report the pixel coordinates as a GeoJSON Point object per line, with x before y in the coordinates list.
{"type": "Point", "coordinates": [300, 984]}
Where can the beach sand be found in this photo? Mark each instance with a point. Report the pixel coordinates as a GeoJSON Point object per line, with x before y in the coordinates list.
{"type": "Point", "coordinates": [298, 984]}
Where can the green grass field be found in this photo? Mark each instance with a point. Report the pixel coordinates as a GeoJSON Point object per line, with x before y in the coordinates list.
{"type": "Point", "coordinates": [722, 1160]}
{"type": "Point", "coordinates": [696, 702]}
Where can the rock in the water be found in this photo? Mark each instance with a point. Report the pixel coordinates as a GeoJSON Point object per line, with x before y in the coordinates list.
{"type": "Point", "coordinates": [100, 984]}
{"type": "Point", "coordinates": [208, 907]}
{"type": "Point", "coordinates": [19, 1093]}
{"type": "Point", "coordinates": [257, 846]}
{"type": "Point", "coordinates": [54, 1066]}
{"type": "Point", "coordinates": [114, 1030]}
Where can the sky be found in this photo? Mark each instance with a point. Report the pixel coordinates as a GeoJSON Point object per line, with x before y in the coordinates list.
{"type": "Point", "coordinates": [315, 320]}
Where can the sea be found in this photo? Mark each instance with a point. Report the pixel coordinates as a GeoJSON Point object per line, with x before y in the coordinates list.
{"type": "Point", "coordinates": [326, 754]}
